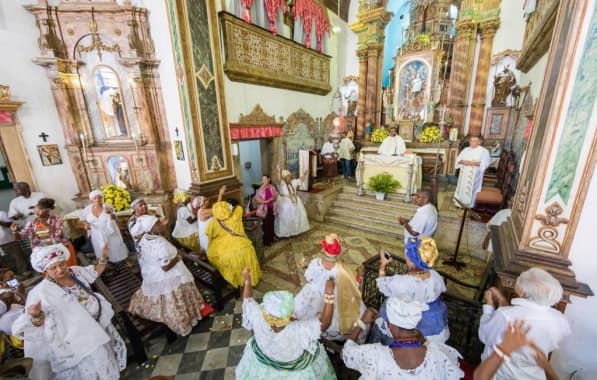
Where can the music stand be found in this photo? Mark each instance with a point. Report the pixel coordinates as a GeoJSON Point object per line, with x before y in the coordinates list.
{"type": "Point", "coordinates": [454, 260]}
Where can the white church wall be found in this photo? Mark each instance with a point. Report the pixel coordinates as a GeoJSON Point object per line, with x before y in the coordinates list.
{"type": "Point", "coordinates": [28, 83]}
{"type": "Point", "coordinates": [351, 63]}
{"type": "Point", "coordinates": [577, 352]}
{"type": "Point", "coordinates": [160, 33]}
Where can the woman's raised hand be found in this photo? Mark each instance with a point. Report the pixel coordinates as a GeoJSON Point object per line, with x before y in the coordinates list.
{"type": "Point", "coordinates": [34, 309]}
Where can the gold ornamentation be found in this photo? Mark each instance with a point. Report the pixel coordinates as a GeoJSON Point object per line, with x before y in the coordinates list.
{"type": "Point", "coordinates": [4, 93]}
{"type": "Point", "coordinates": [538, 33]}
{"type": "Point", "coordinates": [257, 117]}
{"type": "Point", "coordinates": [522, 197]}
{"type": "Point", "coordinates": [552, 215]}
{"type": "Point", "coordinates": [489, 27]}
{"type": "Point", "coordinates": [515, 54]}
{"type": "Point", "coordinates": [254, 55]}
{"type": "Point", "coordinates": [297, 118]}
{"type": "Point", "coordinates": [70, 31]}
{"type": "Point", "coordinates": [204, 76]}
{"type": "Point", "coordinates": [96, 43]}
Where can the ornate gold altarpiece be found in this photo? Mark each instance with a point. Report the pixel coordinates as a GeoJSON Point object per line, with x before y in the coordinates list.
{"type": "Point", "coordinates": [101, 63]}
{"type": "Point", "coordinates": [255, 55]}
{"type": "Point", "coordinates": [560, 158]}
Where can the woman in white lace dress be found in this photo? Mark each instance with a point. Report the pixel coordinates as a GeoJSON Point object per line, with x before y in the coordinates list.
{"type": "Point", "coordinates": [204, 216]}
{"type": "Point", "coordinates": [282, 348]}
{"type": "Point", "coordinates": [67, 327]}
{"type": "Point", "coordinates": [420, 283]}
{"type": "Point", "coordinates": [291, 216]}
{"type": "Point", "coordinates": [309, 302]}
{"type": "Point", "coordinates": [168, 293]}
{"type": "Point", "coordinates": [409, 355]}
{"type": "Point", "coordinates": [99, 219]}
{"type": "Point", "coordinates": [185, 230]}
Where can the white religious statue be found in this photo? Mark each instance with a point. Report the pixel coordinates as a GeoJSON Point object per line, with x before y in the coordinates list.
{"type": "Point", "coordinates": [416, 85]}
{"type": "Point", "coordinates": [472, 162]}
{"type": "Point", "coordinates": [393, 145]}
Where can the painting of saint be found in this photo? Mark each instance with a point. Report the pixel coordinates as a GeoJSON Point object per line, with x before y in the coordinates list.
{"type": "Point", "coordinates": [49, 155]}
{"type": "Point", "coordinates": [178, 150]}
{"type": "Point", "coordinates": [413, 90]}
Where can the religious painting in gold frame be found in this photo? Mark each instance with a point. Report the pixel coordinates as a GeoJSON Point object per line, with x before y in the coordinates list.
{"type": "Point", "coordinates": [496, 123]}
{"type": "Point", "coordinates": [49, 154]}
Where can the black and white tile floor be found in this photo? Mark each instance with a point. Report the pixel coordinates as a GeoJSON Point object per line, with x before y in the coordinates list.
{"type": "Point", "coordinates": [211, 351]}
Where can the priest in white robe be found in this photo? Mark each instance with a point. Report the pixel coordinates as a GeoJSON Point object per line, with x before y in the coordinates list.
{"type": "Point", "coordinates": [393, 145]}
{"type": "Point", "coordinates": [472, 162]}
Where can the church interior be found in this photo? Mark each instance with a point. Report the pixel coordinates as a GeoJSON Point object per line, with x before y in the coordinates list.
{"type": "Point", "coordinates": [373, 107]}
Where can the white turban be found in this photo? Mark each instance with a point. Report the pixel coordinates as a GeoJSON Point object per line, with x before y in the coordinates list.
{"type": "Point", "coordinates": [197, 201]}
{"type": "Point", "coordinates": [403, 313]}
{"type": "Point", "coordinates": [43, 257]}
{"type": "Point", "coordinates": [144, 224]}
{"type": "Point", "coordinates": [279, 304]}
{"type": "Point", "coordinates": [95, 193]}
{"type": "Point", "coordinates": [286, 173]}
{"type": "Point", "coordinates": [136, 202]}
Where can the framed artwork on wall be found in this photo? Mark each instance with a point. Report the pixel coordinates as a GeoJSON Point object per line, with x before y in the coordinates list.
{"type": "Point", "coordinates": [49, 154]}
{"type": "Point", "coordinates": [496, 123]}
{"type": "Point", "coordinates": [179, 150]}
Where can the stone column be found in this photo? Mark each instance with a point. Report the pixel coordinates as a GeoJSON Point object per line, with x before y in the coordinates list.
{"type": "Point", "coordinates": [361, 115]}
{"type": "Point", "coordinates": [462, 64]}
{"type": "Point", "coordinates": [487, 29]}
{"type": "Point", "coordinates": [370, 29]}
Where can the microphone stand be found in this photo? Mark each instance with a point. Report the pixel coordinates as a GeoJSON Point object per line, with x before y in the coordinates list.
{"type": "Point", "coordinates": [454, 260]}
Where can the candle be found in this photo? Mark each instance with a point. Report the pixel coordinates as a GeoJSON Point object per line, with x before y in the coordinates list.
{"type": "Point", "coordinates": [135, 141]}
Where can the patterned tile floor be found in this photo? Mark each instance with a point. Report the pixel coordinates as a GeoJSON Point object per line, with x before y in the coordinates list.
{"type": "Point", "coordinates": [216, 344]}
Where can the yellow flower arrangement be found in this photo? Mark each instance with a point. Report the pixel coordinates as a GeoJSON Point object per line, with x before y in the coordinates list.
{"type": "Point", "coordinates": [425, 39]}
{"type": "Point", "coordinates": [431, 134]}
{"type": "Point", "coordinates": [116, 196]}
{"type": "Point", "coordinates": [379, 135]}
{"type": "Point", "coordinates": [180, 196]}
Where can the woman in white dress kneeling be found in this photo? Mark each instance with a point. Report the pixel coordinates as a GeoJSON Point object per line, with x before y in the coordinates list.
{"type": "Point", "coordinates": [291, 216]}
{"type": "Point", "coordinates": [409, 355]}
{"type": "Point", "coordinates": [282, 348]}
{"type": "Point", "coordinates": [99, 219]}
{"type": "Point", "coordinates": [186, 229]}
{"type": "Point", "coordinates": [67, 327]}
{"type": "Point", "coordinates": [168, 293]}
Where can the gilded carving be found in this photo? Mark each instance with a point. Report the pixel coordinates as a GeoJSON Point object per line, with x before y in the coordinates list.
{"type": "Point", "coordinates": [254, 55]}
{"type": "Point", "coordinates": [4, 93]}
{"type": "Point", "coordinates": [514, 54]}
{"type": "Point", "coordinates": [521, 199]}
{"type": "Point", "coordinates": [466, 28]}
{"type": "Point", "coordinates": [548, 233]}
{"type": "Point", "coordinates": [257, 117]}
{"type": "Point", "coordinates": [96, 43]}
{"type": "Point", "coordinates": [489, 27]}
{"type": "Point", "coordinates": [298, 118]}
{"type": "Point", "coordinates": [537, 33]}
{"type": "Point", "coordinates": [552, 216]}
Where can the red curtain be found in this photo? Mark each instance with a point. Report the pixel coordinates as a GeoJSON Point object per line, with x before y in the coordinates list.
{"type": "Point", "coordinates": [309, 11]}
{"type": "Point", "coordinates": [273, 7]}
{"type": "Point", "coordinates": [246, 9]}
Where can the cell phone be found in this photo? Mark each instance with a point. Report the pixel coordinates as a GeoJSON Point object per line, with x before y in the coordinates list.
{"type": "Point", "coordinates": [14, 283]}
{"type": "Point", "coordinates": [388, 255]}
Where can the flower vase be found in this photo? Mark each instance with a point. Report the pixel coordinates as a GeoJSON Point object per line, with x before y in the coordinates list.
{"type": "Point", "coordinates": [380, 196]}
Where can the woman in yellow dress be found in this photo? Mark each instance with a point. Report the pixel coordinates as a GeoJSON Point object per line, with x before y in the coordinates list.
{"type": "Point", "coordinates": [230, 250]}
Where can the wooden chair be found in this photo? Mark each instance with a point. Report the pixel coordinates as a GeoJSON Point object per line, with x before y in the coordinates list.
{"type": "Point", "coordinates": [494, 198]}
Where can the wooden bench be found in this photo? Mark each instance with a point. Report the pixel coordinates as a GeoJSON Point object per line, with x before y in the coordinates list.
{"type": "Point", "coordinates": [117, 284]}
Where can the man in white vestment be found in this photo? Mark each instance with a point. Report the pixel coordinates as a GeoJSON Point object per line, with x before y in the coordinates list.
{"type": "Point", "coordinates": [472, 162]}
{"type": "Point", "coordinates": [21, 209]}
{"type": "Point", "coordinates": [537, 291]}
{"type": "Point", "coordinates": [393, 145]}
{"type": "Point", "coordinates": [424, 222]}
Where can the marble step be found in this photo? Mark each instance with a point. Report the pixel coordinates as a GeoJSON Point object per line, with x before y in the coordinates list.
{"type": "Point", "coordinates": [369, 226]}
{"type": "Point", "coordinates": [358, 212]}
{"type": "Point", "coordinates": [379, 211]}
{"type": "Point", "coordinates": [369, 201]}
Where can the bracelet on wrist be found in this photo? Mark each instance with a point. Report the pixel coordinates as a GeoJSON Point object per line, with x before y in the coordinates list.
{"type": "Point", "coordinates": [361, 324]}
{"type": "Point", "coordinates": [102, 260]}
{"type": "Point", "coordinates": [38, 319]}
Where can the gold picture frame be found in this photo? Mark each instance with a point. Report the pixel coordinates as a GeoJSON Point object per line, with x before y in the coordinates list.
{"type": "Point", "coordinates": [496, 123]}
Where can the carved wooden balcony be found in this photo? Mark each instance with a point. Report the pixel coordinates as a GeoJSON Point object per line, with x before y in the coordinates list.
{"type": "Point", "coordinates": [255, 55]}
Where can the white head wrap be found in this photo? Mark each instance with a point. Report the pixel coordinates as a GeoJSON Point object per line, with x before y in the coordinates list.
{"type": "Point", "coordinates": [144, 224]}
{"type": "Point", "coordinates": [279, 304]}
{"type": "Point", "coordinates": [403, 313]}
{"type": "Point", "coordinates": [197, 201]}
{"type": "Point", "coordinates": [136, 202]}
{"type": "Point", "coordinates": [286, 173]}
{"type": "Point", "coordinates": [43, 257]}
{"type": "Point", "coordinates": [95, 193]}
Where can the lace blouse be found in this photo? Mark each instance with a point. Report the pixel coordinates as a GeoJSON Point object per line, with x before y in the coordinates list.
{"type": "Point", "coordinates": [375, 361]}
{"type": "Point", "coordinates": [413, 287]}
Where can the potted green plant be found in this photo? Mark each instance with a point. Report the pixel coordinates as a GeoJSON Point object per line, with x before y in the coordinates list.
{"type": "Point", "coordinates": [382, 184]}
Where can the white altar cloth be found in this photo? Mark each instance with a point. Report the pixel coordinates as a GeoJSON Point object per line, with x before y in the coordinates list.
{"type": "Point", "coordinates": [398, 166]}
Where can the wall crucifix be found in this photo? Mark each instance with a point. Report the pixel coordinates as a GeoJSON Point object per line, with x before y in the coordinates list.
{"type": "Point", "coordinates": [44, 136]}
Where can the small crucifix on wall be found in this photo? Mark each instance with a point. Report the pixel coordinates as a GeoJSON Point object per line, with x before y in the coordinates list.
{"type": "Point", "coordinates": [44, 136]}
{"type": "Point", "coordinates": [176, 130]}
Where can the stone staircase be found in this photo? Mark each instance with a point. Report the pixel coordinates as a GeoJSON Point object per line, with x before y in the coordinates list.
{"type": "Point", "coordinates": [368, 214]}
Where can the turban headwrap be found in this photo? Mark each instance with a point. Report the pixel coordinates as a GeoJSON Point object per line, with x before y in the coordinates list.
{"type": "Point", "coordinates": [95, 193]}
{"type": "Point", "coordinates": [136, 202]}
{"type": "Point", "coordinates": [331, 246]}
{"type": "Point", "coordinates": [198, 201]}
{"type": "Point", "coordinates": [403, 313]}
{"type": "Point", "coordinates": [422, 252]}
{"type": "Point", "coordinates": [278, 307]}
{"type": "Point", "coordinates": [286, 173]}
{"type": "Point", "coordinates": [144, 224]}
{"type": "Point", "coordinates": [43, 257]}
